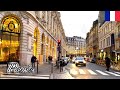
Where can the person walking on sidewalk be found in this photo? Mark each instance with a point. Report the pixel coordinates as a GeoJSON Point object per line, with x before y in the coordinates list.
{"type": "Point", "coordinates": [50, 59]}
{"type": "Point", "coordinates": [61, 64]}
{"type": "Point", "coordinates": [107, 62]}
{"type": "Point", "coordinates": [33, 60]}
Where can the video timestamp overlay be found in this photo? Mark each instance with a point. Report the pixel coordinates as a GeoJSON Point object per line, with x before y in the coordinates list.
{"type": "Point", "coordinates": [14, 67]}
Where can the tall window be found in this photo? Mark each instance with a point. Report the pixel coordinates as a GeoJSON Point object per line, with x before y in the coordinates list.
{"type": "Point", "coordinates": [104, 43]}
{"type": "Point", "coordinates": [109, 41]}
{"type": "Point", "coordinates": [119, 28]}
{"type": "Point", "coordinates": [101, 44]}
{"type": "Point", "coordinates": [119, 31]}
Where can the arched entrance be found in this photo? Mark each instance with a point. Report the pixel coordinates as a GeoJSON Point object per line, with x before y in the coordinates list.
{"type": "Point", "coordinates": [36, 40]}
{"type": "Point", "coordinates": [10, 29]}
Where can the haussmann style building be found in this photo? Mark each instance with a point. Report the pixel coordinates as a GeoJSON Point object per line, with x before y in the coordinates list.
{"type": "Point", "coordinates": [27, 33]}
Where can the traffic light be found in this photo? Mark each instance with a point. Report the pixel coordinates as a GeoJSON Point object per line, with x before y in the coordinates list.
{"type": "Point", "coordinates": [59, 42]}
{"type": "Point", "coordinates": [59, 46]}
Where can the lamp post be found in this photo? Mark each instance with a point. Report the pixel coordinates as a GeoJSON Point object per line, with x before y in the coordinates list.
{"type": "Point", "coordinates": [102, 53]}
{"type": "Point", "coordinates": [77, 50]}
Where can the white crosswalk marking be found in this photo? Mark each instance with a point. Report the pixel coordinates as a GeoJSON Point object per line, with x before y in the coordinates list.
{"type": "Point", "coordinates": [74, 72]}
{"type": "Point", "coordinates": [102, 72]}
{"type": "Point", "coordinates": [95, 72]}
{"type": "Point", "coordinates": [91, 72]}
{"type": "Point", "coordinates": [117, 72]}
{"type": "Point", "coordinates": [112, 73]}
{"type": "Point", "coordinates": [81, 71]}
{"type": "Point", "coordinates": [25, 77]}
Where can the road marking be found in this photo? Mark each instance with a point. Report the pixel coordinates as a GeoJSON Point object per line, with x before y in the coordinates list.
{"type": "Point", "coordinates": [102, 72]}
{"type": "Point", "coordinates": [91, 72]}
{"type": "Point", "coordinates": [117, 72]}
{"type": "Point", "coordinates": [30, 77]}
{"type": "Point", "coordinates": [112, 73]}
{"type": "Point", "coordinates": [74, 72]}
{"type": "Point", "coordinates": [81, 71]}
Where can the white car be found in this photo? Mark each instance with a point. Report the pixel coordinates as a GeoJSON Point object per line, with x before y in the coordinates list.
{"type": "Point", "coordinates": [80, 61]}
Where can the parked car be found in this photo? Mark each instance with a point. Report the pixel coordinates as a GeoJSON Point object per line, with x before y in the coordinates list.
{"type": "Point", "coordinates": [80, 61]}
{"type": "Point", "coordinates": [66, 60]}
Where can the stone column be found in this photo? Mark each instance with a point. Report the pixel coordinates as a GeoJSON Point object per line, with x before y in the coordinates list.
{"type": "Point", "coordinates": [44, 47]}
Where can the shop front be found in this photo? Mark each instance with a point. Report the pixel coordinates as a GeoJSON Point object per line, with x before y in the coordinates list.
{"type": "Point", "coordinates": [10, 29]}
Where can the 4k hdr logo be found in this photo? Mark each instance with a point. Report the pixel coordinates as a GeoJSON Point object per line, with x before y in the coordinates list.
{"type": "Point", "coordinates": [13, 67]}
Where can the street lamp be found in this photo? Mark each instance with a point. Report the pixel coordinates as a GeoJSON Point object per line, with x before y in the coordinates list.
{"type": "Point", "coordinates": [102, 53]}
{"type": "Point", "coordinates": [77, 50]}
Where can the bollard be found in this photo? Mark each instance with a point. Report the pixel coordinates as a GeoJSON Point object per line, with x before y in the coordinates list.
{"type": "Point", "coordinates": [51, 67]}
{"type": "Point", "coordinates": [37, 66]}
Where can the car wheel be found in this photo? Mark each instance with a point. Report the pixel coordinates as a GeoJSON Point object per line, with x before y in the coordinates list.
{"type": "Point", "coordinates": [76, 64]}
{"type": "Point", "coordinates": [84, 64]}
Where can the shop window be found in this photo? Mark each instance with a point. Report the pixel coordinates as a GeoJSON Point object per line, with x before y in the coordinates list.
{"type": "Point", "coordinates": [9, 39]}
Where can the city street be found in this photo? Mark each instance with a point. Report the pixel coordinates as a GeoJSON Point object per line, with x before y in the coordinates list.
{"type": "Point", "coordinates": [37, 44]}
{"type": "Point", "coordinates": [91, 71]}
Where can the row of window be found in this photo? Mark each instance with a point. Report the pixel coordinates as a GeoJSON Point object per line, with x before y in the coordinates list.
{"type": "Point", "coordinates": [109, 26]}
{"type": "Point", "coordinates": [105, 43]}
{"type": "Point", "coordinates": [48, 20]}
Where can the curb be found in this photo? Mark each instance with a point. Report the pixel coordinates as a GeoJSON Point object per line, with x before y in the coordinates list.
{"type": "Point", "coordinates": [51, 76]}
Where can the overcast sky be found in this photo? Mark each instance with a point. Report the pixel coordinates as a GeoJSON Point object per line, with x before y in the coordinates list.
{"type": "Point", "coordinates": [78, 23]}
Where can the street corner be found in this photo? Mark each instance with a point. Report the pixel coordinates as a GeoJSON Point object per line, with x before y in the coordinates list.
{"type": "Point", "coordinates": [51, 76]}
{"type": "Point", "coordinates": [63, 76]}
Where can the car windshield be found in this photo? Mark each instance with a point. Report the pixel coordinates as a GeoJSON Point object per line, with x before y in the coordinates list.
{"type": "Point", "coordinates": [79, 58]}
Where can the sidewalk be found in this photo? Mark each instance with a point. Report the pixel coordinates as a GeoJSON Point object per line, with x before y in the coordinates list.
{"type": "Point", "coordinates": [114, 67]}
{"type": "Point", "coordinates": [43, 69]}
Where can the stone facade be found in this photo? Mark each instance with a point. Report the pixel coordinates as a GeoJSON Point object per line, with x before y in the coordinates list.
{"type": "Point", "coordinates": [40, 31]}
{"type": "Point", "coordinates": [106, 40]}
{"type": "Point", "coordinates": [76, 46]}
{"type": "Point", "coordinates": [92, 40]}
{"type": "Point", "coordinates": [117, 41]}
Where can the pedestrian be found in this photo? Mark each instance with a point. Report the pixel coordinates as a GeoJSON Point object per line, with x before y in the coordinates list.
{"type": "Point", "coordinates": [33, 60]}
{"type": "Point", "coordinates": [50, 59]}
{"type": "Point", "coordinates": [107, 62]}
{"type": "Point", "coordinates": [61, 64]}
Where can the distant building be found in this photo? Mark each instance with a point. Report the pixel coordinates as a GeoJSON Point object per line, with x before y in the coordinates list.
{"type": "Point", "coordinates": [92, 46]}
{"type": "Point", "coordinates": [27, 33]}
{"type": "Point", "coordinates": [101, 18]}
{"type": "Point", "coordinates": [76, 46]}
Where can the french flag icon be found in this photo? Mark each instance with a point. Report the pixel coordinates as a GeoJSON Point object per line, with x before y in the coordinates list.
{"type": "Point", "coordinates": [112, 15]}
